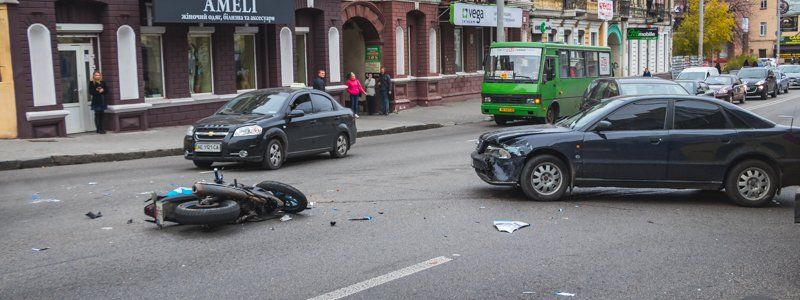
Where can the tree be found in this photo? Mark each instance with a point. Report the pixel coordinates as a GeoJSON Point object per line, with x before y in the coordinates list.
{"type": "Point", "coordinates": [718, 26]}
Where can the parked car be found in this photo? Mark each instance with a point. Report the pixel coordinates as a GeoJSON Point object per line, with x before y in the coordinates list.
{"type": "Point", "coordinates": [267, 126]}
{"type": "Point", "coordinates": [783, 81]}
{"type": "Point", "coordinates": [697, 73]}
{"type": "Point", "coordinates": [728, 87]}
{"type": "Point", "coordinates": [679, 142]}
{"type": "Point", "coordinates": [767, 62]}
{"type": "Point", "coordinates": [759, 81]}
{"type": "Point", "coordinates": [607, 87]}
{"type": "Point", "coordinates": [793, 72]}
{"type": "Point", "coordinates": [696, 87]}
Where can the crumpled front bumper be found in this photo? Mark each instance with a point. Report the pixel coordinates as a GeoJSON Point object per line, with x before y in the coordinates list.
{"type": "Point", "coordinates": [497, 171]}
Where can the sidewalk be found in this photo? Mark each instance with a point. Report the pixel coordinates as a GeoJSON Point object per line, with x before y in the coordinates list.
{"type": "Point", "coordinates": [166, 141]}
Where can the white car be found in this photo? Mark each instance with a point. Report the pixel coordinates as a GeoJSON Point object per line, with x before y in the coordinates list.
{"type": "Point", "coordinates": [793, 71]}
{"type": "Point", "coordinates": [697, 73]}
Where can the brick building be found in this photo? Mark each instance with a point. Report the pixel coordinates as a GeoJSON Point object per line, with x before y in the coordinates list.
{"type": "Point", "coordinates": [145, 53]}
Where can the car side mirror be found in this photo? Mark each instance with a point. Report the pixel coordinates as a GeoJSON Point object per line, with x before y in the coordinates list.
{"type": "Point", "coordinates": [296, 113]}
{"type": "Point", "coordinates": [602, 126]}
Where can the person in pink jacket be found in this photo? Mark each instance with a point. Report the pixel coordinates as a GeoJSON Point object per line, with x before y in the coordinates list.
{"type": "Point", "coordinates": [355, 90]}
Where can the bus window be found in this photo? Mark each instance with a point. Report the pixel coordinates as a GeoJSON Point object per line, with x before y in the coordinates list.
{"type": "Point", "coordinates": [576, 67]}
{"type": "Point", "coordinates": [563, 64]}
{"type": "Point", "coordinates": [591, 63]}
{"type": "Point", "coordinates": [549, 71]}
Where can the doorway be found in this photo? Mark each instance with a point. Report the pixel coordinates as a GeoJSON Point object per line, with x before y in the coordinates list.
{"type": "Point", "coordinates": [616, 56]}
{"type": "Point", "coordinates": [77, 65]}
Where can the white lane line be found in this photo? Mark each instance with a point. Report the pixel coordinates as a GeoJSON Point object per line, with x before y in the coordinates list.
{"type": "Point", "coordinates": [768, 104]}
{"type": "Point", "coordinates": [370, 283]}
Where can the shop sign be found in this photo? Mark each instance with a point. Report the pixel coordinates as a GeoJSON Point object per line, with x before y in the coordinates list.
{"type": "Point", "coordinates": [223, 11]}
{"type": "Point", "coordinates": [605, 10]}
{"type": "Point", "coordinates": [789, 23]}
{"type": "Point", "coordinates": [790, 40]}
{"type": "Point", "coordinates": [642, 33]}
{"type": "Point", "coordinates": [372, 61]}
{"type": "Point", "coordinates": [543, 27]}
{"type": "Point", "coordinates": [790, 8]}
{"type": "Point", "coordinates": [463, 14]}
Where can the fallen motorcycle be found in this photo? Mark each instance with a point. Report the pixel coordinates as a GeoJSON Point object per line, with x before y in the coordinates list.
{"type": "Point", "coordinates": [220, 203]}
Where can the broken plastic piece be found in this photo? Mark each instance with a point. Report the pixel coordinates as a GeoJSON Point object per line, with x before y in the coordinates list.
{"type": "Point", "coordinates": [179, 191]}
{"type": "Point", "coordinates": [364, 218]}
{"type": "Point", "coordinates": [92, 183]}
{"type": "Point", "coordinates": [107, 228]}
{"type": "Point", "coordinates": [565, 294]}
{"type": "Point", "coordinates": [93, 216]}
{"type": "Point", "coordinates": [333, 223]}
{"type": "Point", "coordinates": [39, 200]}
{"type": "Point", "coordinates": [130, 221]}
{"type": "Point", "coordinates": [285, 218]}
{"type": "Point", "coordinates": [40, 249]}
{"type": "Point", "coordinates": [509, 226]}
{"type": "Point", "coordinates": [560, 210]}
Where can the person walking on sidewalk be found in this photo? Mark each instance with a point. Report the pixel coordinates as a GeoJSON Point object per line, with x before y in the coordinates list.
{"type": "Point", "coordinates": [385, 86]}
{"type": "Point", "coordinates": [370, 85]}
{"type": "Point", "coordinates": [355, 90]}
{"type": "Point", "coordinates": [98, 89]}
{"type": "Point", "coordinates": [319, 82]}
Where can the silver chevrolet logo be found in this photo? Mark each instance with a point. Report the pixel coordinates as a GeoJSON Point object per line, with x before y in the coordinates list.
{"type": "Point", "coordinates": [210, 133]}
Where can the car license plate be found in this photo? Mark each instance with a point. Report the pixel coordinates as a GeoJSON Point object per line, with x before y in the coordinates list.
{"type": "Point", "coordinates": [207, 147]}
{"type": "Point", "coordinates": [507, 109]}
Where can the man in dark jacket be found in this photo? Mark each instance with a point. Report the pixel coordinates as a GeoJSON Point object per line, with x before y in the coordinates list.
{"type": "Point", "coordinates": [319, 82]}
{"type": "Point", "coordinates": [385, 87]}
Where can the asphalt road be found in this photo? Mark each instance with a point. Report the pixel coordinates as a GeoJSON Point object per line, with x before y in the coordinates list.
{"type": "Point", "coordinates": [431, 236]}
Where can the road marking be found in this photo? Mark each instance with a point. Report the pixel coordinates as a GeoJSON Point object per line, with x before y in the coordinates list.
{"type": "Point", "coordinates": [762, 105]}
{"type": "Point", "coordinates": [370, 283]}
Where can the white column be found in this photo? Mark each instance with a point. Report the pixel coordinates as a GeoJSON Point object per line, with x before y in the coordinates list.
{"type": "Point", "coordinates": [43, 81]}
{"type": "Point", "coordinates": [399, 51]}
{"type": "Point", "coordinates": [126, 63]}
{"type": "Point", "coordinates": [334, 55]}
{"type": "Point", "coordinates": [287, 57]}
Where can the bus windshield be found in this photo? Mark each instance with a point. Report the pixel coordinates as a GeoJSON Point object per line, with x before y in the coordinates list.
{"type": "Point", "coordinates": [520, 65]}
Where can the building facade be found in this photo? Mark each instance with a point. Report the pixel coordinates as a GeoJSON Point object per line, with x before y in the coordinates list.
{"type": "Point", "coordinates": [762, 29]}
{"type": "Point", "coordinates": [165, 68]}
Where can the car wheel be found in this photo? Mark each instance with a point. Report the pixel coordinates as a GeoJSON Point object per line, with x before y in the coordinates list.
{"type": "Point", "coordinates": [544, 178]}
{"type": "Point", "coordinates": [501, 120]}
{"type": "Point", "coordinates": [774, 92]}
{"type": "Point", "coordinates": [751, 183]}
{"type": "Point", "coordinates": [341, 146]}
{"type": "Point", "coordinates": [203, 164]}
{"type": "Point", "coordinates": [274, 155]}
{"type": "Point", "coordinates": [552, 114]}
{"type": "Point", "coordinates": [764, 95]}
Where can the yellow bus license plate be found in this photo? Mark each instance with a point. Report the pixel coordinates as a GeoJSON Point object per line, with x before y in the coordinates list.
{"type": "Point", "coordinates": [507, 109]}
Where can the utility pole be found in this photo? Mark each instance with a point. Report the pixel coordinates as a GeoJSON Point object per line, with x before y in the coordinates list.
{"type": "Point", "coordinates": [778, 35]}
{"type": "Point", "coordinates": [700, 42]}
{"type": "Point", "coordinates": [501, 18]}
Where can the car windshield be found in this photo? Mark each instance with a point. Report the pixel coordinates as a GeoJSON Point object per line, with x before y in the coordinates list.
{"type": "Point", "coordinates": [719, 80]}
{"type": "Point", "coordinates": [652, 89]}
{"type": "Point", "coordinates": [513, 65]}
{"type": "Point", "coordinates": [255, 104]}
{"type": "Point", "coordinates": [689, 86]}
{"type": "Point", "coordinates": [790, 69]}
{"type": "Point", "coordinates": [752, 73]}
{"type": "Point", "coordinates": [692, 75]}
{"type": "Point", "coordinates": [585, 116]}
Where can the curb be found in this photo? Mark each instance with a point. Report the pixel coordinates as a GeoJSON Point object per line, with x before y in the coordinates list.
{"type": "Point", "coordinates": [65, 160]}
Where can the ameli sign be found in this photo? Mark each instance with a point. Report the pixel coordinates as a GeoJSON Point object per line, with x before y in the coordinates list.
{"type": "Point", "coordinates": [463, 14]}
{"type": "Point", "coordinates": [223, 11]}
{"type": "Point", "coordinates": [642, 33]}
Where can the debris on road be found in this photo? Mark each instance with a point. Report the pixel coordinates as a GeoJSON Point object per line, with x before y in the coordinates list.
{"type": "Point", "coordinates": [107, 228]}
{"type": "Point", "coordinates": [39, 249]}
{"type": "Point", "coordinates": [364, 218]}
{"type": "Point", "coordinates": [130, 221]}
{"type": "Point", "coordinates": [35, 198]}
{"type": "Point", "coordinates": [333, 223]}
{"type": "Point", "coordinates": [93, 216]}
{"type": "Point", "coordinates": [528, 292]}
{"type": "Point", "coordinates": [482, 207]}
{"type": "Point", "coordinates": [456, 255]}
{"type": "Point", "coordinates": [565, 294]}
{"type": "Point", "coordinates": [509, 226]}
{"type": "Point", "coordinates": [285, 218]}
{"type": "Point", "coordinates": [561, 210]}
{"type": "Point", "coordinates": [92, 183]}
{"type": "Point", "coordinates": [651, 222]}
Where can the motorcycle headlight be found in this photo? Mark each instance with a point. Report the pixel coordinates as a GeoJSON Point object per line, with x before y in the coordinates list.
{"type": "Point", "coordinates": [248, 130]}
{"type": "Point", "coordinates": [497, 152]}
{"type": "Point", "coordinates": [190, 130]}
{"type": "Point", "coordinates": [761, 82]}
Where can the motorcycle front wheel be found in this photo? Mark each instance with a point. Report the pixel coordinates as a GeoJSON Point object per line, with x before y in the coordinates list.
{"type": "Point", "coordinates": [295, 200]}
{"type": "Point", "coordinates": [192, 213]}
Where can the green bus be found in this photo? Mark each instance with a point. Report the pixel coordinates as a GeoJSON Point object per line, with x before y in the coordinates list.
{"type": "Point", "coordinates": [539, 81]}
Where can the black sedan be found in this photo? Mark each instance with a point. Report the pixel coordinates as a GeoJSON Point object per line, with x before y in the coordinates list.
{"type": "Point", "coordinates": [760, 82]}
{"type": "Point", "coordinates": [267, 126]}
{"type": "Point", "coordinates": [684, 142]}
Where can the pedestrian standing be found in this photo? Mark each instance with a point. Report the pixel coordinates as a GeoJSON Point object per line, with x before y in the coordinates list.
{"type": "Point", "coordinates": [792, 60]}
{"type": "Point", "coordinates": [370, 85]}
{"type": "Point", "coordinates": [355, 90]}
{"type": "Point", "coordinates": [385, 87]}
{"type": "Point", "coordinates": [319, 82]}
{"type": "Point", "coordinates": [647, 72]}
{"type": "Point", "coordinates": [745, 64]}
{"type": "Point", "coordinates": [719, 68]}
{"type": "Point", "coordinates": [98, 89]}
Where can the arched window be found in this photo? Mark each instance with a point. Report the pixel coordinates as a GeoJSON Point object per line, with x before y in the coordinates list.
{"type": "Point", "coordinates": [126, 60]}
{"type": "Point", "coordinates": [287, 63]}
{"type": "Point", "coordinates": [42, 78]}
{"type": "Point", "coordinates": [399, 47]}
{"type": "Point", "coordinates": [432, 51]}
{"type": "Point", "coordinates": [333, 55]}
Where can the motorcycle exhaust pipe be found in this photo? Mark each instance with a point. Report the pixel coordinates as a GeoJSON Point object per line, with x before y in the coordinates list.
{"type": "Point", "coordinates": [221, 191]}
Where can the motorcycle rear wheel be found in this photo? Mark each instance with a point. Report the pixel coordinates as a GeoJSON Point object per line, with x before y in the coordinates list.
{"type": "Point", "coordinates": [191, 213]}
{"type": "Point", "coordinates": [295, 199]}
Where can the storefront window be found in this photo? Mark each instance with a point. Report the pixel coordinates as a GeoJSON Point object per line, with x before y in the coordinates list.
{"type": "Point", "coordinates": [244, 52]}
{"type": "Point", "coordinates": [153, 67]}
{"type": "Point", "coordinates": [459, 47]}
{"type": "Point", "coordinates": [200, 68]}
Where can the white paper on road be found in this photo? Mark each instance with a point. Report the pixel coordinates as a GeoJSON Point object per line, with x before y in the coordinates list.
{"type": "Point", "coordinates": [509, 226]}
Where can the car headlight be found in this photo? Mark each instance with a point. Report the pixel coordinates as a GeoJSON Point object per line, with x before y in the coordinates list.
{"type": "Point", "coordinates": [723, 90]}
{"type": "Point", "coordinates": [248, 130]}
{"type": "Point", "coordinates": [761, 82]}
{"type": "Point", "coordinates": [190, 130]}
{"type": "Point", "coordinates": [487, 99]}
{"type": "Point", "coordinates": [497, 152]}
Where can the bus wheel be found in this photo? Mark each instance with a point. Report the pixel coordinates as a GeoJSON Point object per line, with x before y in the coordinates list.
{"type": "Point", "coordinates": [552, 114]}
{"type": "Point", "coordinates": [501, 120]}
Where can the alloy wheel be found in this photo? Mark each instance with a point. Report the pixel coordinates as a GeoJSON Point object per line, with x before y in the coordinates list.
{"type": "Point", "coordinates": [275, 154]}
{"type": "Point", "coordinates": [753, 183]}
{"type": "Point", "coordinates": [546, 179]}
{"type": "Point", "coordinates": [341, 145]}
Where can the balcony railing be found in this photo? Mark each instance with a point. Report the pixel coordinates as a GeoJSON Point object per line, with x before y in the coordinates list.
{"type": "Point", "coordinates": [575, 5]}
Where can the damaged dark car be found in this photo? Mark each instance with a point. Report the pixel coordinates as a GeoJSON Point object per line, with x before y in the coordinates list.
{"type": "Point", "coordinates": [680, 142]}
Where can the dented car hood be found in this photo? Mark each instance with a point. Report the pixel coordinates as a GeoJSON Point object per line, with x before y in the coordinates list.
{"type": "Point", "coordinates": [500, 136]}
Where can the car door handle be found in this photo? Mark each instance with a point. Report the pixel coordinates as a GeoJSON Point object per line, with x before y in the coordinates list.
{"type": "Point", "coordinates": [656, 142]}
